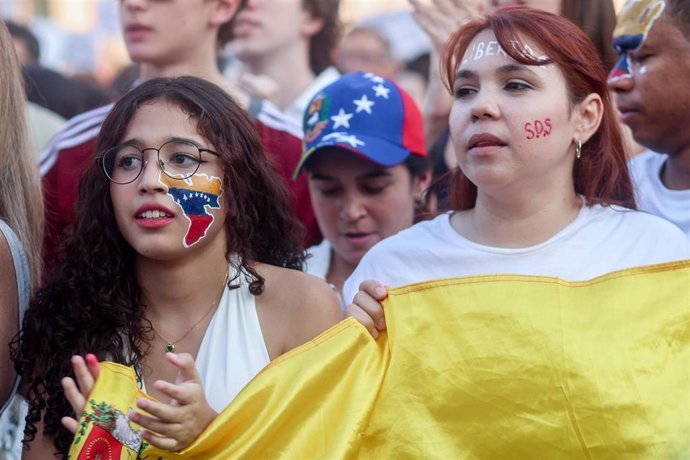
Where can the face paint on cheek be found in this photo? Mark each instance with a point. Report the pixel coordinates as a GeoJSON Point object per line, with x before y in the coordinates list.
{"type": "Point", "coordinates": [538, 129]}
{"type": "Point", "coordinates": [195, 196]}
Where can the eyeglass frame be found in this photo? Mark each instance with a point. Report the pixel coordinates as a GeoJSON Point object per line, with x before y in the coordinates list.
{"type": "Point", "coordinates": [145, 162]}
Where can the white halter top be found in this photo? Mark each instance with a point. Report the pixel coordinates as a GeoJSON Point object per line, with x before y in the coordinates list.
{"type": "Point", "coordinates": [233, 349]}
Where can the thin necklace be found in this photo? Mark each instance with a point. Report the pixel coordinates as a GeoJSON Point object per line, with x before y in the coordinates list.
{"type": "Point", "coordinates": [170, 345]}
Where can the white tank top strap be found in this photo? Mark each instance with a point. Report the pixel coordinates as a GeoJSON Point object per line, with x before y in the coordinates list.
{"type": "Point", "coordinates": [233, 349]}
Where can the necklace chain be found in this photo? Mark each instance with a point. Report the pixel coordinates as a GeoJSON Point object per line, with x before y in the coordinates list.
{"type": "Point", "coordinates": [170, 345]}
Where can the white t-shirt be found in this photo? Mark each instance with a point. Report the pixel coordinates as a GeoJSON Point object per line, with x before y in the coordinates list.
{"type": "Point", "coordinates": [651, 194]}
{"type": "Point", "coordinates": [319, 262]}
{"type": "Point", "coordinates": [318, 259]}
{"type": "Point", "coordinates": [600, 240]}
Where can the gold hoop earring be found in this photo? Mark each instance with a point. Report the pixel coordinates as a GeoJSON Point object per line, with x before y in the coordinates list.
{"type": "Point", "coordinates": [578, 149]}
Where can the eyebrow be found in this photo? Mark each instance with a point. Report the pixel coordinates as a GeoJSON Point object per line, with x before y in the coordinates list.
{"type": "Point", "coordinates": [136, 142]}
{"type": "Point", "coordinates": [504, 69]}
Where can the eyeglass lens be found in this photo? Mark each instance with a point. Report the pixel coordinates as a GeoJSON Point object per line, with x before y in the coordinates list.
{"type": "Point", "coordinates": [179, 160]}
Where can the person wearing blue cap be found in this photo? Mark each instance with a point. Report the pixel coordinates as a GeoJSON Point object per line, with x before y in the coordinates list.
{"type": "Point", "coordinates": [367, 169]}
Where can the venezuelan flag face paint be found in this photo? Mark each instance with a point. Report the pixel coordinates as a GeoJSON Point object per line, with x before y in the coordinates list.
{"type": "Point", "coordinates": [634, 23]}
{"type": "Point", "coordinates": [196, 197]}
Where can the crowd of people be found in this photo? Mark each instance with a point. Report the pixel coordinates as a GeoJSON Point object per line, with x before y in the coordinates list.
{"type": "Point", "coordinates": [206, 222]}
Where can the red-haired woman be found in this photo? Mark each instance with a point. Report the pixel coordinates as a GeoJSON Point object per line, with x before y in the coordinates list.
{"type": "Point", "coordinates": [542, 186]}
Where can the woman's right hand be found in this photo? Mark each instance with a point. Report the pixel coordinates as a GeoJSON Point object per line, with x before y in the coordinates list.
{"type": "Point", "coordinates": [442, 18]}
{"type": "Point", "coordinates": [86, 371]}
{"type": "Point", "coordinates": [366, 306]}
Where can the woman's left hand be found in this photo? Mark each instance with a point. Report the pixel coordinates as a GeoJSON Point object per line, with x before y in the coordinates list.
{"type": "Point", "coordinates": [86, 372]}
{"type": "Point", "coordinates": [174, 426]}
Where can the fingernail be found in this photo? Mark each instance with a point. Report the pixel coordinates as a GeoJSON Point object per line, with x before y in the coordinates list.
{"type": "Point", "coordinates": [380, 292]}
{"type": "Point", "coordinates": [381, 324]}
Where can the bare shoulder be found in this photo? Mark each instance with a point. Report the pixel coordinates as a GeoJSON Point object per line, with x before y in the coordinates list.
{"type": "Point", "coordinates": [295, 307]}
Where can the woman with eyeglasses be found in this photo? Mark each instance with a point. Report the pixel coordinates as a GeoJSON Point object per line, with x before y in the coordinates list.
{"type": "Point", "coordinates": [183, 263]}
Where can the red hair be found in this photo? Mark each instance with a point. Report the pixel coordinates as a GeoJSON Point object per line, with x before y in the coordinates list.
{"type": "Point", "coordinates": [601, 175]}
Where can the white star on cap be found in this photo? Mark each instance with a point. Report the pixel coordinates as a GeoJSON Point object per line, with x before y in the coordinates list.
{"type": "Point", "coordinates": [373, 77]}
{"type": "Point", "coordinates": [344, 138]}
{"type": "Point", "coordinates": [363, 104]}
{"type": "Point", "coordinates": [342, 119]}
{"type": "Point", "coordinates": [352, 140]}
{"type": "Point", "coordinates": [381, 91]}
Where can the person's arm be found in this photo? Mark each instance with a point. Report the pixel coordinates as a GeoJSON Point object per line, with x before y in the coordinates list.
{"type": "Point", "coordinates": [293, 308]}
{"type": "Point", "coordinates": [303, 307]}
{"type": "Point", "coordinates": [440, 20]}
{"type": "Point", "coordinates": [9, 312]}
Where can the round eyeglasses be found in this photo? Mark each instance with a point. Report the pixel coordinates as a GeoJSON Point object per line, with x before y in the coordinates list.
{"type": "Point", "coordinates": [177, 159]}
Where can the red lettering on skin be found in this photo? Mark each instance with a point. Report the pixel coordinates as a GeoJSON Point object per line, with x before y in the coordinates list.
{"type": "Point", "coordinates": [530, 133]}
{"type": "Point", "coordinates": [538, 129]}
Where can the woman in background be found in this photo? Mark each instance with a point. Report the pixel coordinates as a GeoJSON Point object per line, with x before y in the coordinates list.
{"type": "Point", "coordinates": [367, 176]}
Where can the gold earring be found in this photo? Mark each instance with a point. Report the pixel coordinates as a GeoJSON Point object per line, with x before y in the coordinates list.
{"type": "Point", "coordinates": [578, 149]}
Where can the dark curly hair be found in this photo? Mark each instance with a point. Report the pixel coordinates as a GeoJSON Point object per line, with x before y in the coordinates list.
{"type": "Point", "coordinates": [92, 302]}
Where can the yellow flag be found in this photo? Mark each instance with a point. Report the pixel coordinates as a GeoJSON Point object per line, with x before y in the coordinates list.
{"type": "Point", "coordinates": [479, 367]}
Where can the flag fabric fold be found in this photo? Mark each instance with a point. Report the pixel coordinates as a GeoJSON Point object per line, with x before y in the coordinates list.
{"type": "Point", "coordinates": [475, 367]}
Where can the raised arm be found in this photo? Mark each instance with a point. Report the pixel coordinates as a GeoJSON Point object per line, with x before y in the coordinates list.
{"type": "Point", "coordinates": [440, 20]}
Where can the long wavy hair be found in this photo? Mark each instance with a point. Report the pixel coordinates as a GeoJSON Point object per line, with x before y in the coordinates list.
{"type": "Point", "coordinates": [92, 302]}
{"type": "Point", "coordinates": [601, 175]}
{"type": "Point", "coordinates": [21, 204]}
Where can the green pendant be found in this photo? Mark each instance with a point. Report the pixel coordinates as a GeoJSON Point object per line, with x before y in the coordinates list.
{"type": "Point", "coordinates": [170, 347]}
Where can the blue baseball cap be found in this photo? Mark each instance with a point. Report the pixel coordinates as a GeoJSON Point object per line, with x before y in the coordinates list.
{"type": "Point", "coordinates": [366, 114]}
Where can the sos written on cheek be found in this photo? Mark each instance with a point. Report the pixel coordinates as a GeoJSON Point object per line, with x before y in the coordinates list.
{"type": "Point", "coordinates": [538, 129]}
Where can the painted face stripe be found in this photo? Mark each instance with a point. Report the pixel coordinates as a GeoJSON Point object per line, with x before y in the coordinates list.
{"type": "Point", "coordinates": [636, 19]}
{"type": "Point", "coordinates": [623, 46]}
